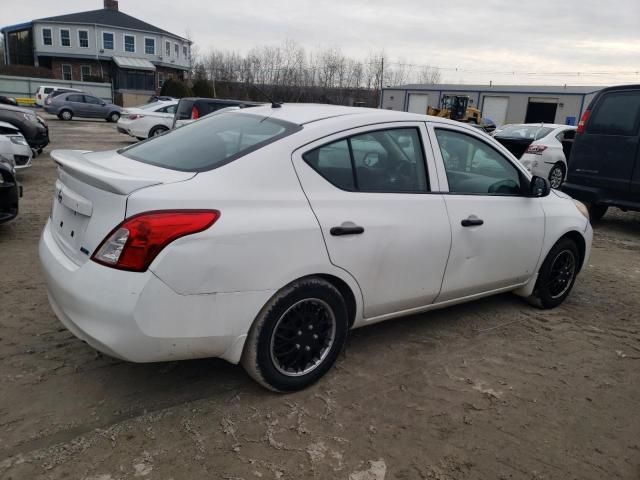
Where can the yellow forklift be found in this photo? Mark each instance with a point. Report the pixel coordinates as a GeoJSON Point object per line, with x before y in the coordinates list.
{"type": "Point", "coordinates": [456, 107]}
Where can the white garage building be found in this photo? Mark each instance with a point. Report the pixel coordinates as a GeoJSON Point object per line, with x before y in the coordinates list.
{"type": "Point", "coordinates": [500, 103]}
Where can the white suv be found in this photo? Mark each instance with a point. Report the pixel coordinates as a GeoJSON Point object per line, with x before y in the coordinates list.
{"type": "Point", "coordinates": [263, 235]}
{"type": "Point", "coordinates": [44, 91]}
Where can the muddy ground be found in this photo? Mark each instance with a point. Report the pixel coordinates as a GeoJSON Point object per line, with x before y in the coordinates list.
{"type": "Point", "coordinates": [490, 390]}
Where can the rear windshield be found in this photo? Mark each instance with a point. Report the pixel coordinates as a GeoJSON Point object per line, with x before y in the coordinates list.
{"type": "Point", "coordinates": [210, 142]}
{"type": "Point", "coordinates": [524, 132]}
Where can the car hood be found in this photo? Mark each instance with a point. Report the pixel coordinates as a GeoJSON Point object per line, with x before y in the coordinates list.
{"type": "Point", "coordinates": [11, 108]}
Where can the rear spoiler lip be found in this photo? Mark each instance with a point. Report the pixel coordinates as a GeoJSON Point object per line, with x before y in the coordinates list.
{"type": "Point", "coordinates": [74, 163]}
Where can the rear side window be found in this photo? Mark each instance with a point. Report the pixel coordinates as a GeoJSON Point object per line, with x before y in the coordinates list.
{"type": "Point", "coordinates": [75, 98]}
{"type": "Point", "coordinates": [380, 161]}
{"type": "Point", "coordinates": [210, 143]}
{"type": "Point", "coordinates": [48, 90]}
{"type": "Point", "coordinates": [617, 113]}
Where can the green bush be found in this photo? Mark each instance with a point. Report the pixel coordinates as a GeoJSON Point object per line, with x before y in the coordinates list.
{"type": "Point", "coordinates": [175, 88]}
{"type": "Point", "coordinates": [203, 88]}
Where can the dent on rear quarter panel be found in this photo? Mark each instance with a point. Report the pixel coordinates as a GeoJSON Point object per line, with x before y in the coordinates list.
{"type": "Point", "coordinates": [266, 232]}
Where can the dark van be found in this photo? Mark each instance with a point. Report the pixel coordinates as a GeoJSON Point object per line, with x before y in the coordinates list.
{"type": "Point", "coordinates": [604, 166]}
{"type": "Point", "coordinates": [190, 109]}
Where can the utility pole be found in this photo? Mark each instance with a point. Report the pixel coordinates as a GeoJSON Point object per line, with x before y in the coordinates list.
{"type": "Point", "coordinates": [381, 80]}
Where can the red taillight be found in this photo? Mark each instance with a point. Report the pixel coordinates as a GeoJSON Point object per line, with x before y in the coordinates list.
{"type": "Point", "coordinates": [536, 149]}
{"type": "Point", "coordinates": [195, 114]}
{"type": "Point", "coordinates": [583, 121]}
{"type": "Point", "coordinates": [134, 243]}
{"type": "Point", "coordinates": [134, 116]}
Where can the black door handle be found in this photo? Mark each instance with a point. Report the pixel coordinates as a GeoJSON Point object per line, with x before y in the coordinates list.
{"type": "Point", "coordinates": [472, 222]}
{"type": "Point", "coordinates": [350, 230]}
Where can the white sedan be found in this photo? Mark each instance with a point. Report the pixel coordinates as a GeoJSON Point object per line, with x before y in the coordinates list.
{"type": "Point", "coordinates": [14, 146]}
{"type": "Point", "coordinates": [540, 148]}
{"type": "Point", "coordinates": [263, 235]}
{"type": "Point", "coordinates": [149, 120]}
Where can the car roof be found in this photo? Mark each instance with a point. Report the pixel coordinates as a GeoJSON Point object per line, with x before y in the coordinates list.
{"type": "Point", "coordinates": [304, 113]}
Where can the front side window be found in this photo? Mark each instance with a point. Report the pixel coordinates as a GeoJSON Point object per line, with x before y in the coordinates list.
{"type": "Point", "coordinates": [129, 43]}
{"type": "Point", "coordinates": [150, 46]}
{"type": "Point", "coordinates": [83, 38]}
{"type": "Point", "coordinates": [167, 48]}
{"type": "Point", "coordinates": [92, 100]}
{"type": "Point", "coordinates": [47, 38]}
{"type": "Point", "coordinates": [85, 72]}
{"type": "Point", "coordinates": [107, 40]}
{"type": "Point", "coordinates": [474, 167]}
{"type": "Point", "coordinates": [65, 38]}
{"type": "Point", "coordinates": [617, 113]}
{"type": "Point", "coordinates": [211, 142]}
{"type": "Point", "coordinates": [66, 72]}
{"type": "Point", "coordinates": [379, 161]}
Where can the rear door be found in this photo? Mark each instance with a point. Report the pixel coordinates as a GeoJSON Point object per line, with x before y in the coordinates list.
{"type": "Point", "coordinates": [94, 108]}
{"type": "Point", "coordinates": [497, 230]}
{"type": "Point", "coordinates": [371, 191]}
{"type": "Point", "coordinates": [605, 155]}
{"type": "Point", "coordinates": [77, 104]}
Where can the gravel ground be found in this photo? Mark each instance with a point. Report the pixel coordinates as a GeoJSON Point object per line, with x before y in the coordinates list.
{"type": "Point", "coordinates": [489, 390]}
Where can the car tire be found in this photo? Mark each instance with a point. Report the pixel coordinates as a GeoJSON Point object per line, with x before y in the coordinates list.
{"type": "Point", "coordinates": [557, 275]}
{"type": "Point", "coordinates": [556, 175]}
{"type": "Point", "coordinates": [65, 115]}
{"type": "Point", "coordinates": [596, 212]}
{"type": "Point", "coordinates": [157, 130]}
{"type": "Point", "coordinates": [297, 336]}
{"type": "Point", "coordinates": [113, 117]}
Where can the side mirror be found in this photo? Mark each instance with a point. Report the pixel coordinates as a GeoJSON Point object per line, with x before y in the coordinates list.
{"type": "Point", "coordinates": [539, 187]}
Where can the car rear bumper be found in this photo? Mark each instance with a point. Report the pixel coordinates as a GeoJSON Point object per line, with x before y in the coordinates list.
{"type": "Point", "coordinates": [137, 317]}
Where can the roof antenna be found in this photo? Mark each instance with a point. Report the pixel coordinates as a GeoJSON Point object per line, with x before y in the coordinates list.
{"type": "Point", "coordinates": [274, 104]}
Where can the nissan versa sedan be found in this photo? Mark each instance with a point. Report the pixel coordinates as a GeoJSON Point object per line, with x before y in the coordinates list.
{"type": "Point", "coordinates": [263, 235]}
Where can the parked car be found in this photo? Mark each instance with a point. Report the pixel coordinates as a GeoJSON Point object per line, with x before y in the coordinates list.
{"type": "Point", "coordinates": [44, 91]}
{"type": "Point", "coordinates": [149, 120]}
{"type": "Point", "coordinates": [31, 125]}
{"type": "Point", "coordinates": [262, 235]}
{"type": "Point", "coordinates": [13, 145]}
{"type": "Point", "coordinates": [190, 109]}
{"type": "Point", "coordinates": [8, 100]}
{"type": "Point", "coordinates": [604, 167]}
{"type": "Point", "coordinates": [542, 148]}
{"type": "Point", "coordinates": [69, 105]}
{"type": "Point", "coordinates": [10, 191]}
{"type": "Point", "coordinates": [55, 93]}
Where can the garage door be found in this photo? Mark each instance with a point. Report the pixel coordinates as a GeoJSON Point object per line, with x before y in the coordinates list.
{"type": "Point", "coordinates": [418, 103]}
{"type": "Point", "coordinates": [495, 108]}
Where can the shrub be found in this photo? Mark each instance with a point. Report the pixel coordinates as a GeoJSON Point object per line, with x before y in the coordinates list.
{"type": "Point", "coordinates": [203, 88]}
{"type": "Point", "coordinates": [175, 88]}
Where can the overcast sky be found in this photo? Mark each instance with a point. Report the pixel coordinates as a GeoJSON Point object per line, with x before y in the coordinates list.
{"type": "Point", "coordinates": [482, 39]}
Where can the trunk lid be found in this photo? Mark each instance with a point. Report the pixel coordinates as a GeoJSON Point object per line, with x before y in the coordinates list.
{"type": "Point", "coordinates": [91, 194]}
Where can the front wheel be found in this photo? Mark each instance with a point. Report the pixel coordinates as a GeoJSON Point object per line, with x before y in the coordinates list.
{"type": "Point", "coordinates": [297, 336]}
{"type": "Point", "coordinates": [557, 275]}
{"type": "Point", "coordinates": [556, 176]}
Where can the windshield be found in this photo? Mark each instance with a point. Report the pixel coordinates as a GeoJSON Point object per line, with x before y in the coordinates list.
{"type": "Point", "coordinates": [524, 132]}
{"type": "Point", "coordinates": [210, 142]}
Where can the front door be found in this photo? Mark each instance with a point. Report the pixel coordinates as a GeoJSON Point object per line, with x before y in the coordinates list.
{"type": "Point", "coordinates": [370, 189]}
{"type": "Point", "coordinates": [94, 108]}
{"type": "Point", "coordinates": [497, 230]}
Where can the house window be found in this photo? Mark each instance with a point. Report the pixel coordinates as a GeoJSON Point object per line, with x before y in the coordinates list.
{"type": "Point", "coordinates": [107, 41]}
{"type": "Point", "coordinates": [66, 72]}
{"type": "Point", "coordinates": [65, 38]}
{"type": "Point", "coordinates": [176, 48]}
{"type": "Point", "coordinates": [85, 72]}
{"type": "Point", "coordinates": [160, 79]}
{"type": "Point", "coordinates": [167, 48]}
{"type": "Point", "coordinates": [83, 38]}
{"type": "Point", "coordinates": [150, 46]}
{"type": "Point", "coordinates": [47, 38]}
{"type": "Point", "coordinates": [185, 53]}
{"type": "Point", "coordinates": [129, 43]}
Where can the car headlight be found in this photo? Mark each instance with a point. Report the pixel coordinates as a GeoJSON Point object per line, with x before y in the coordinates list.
{"type": "Point", "coordinates": [30, 117]}
{"type": "Point", "coordinates": [582, 208]}
{"type": "Point", "coordinates": [18, 140]}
